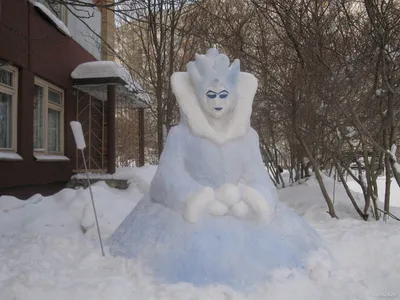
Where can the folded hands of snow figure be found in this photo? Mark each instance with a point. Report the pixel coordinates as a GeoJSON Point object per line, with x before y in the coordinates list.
{"type": "Point", "coordinates": [241, 201]}
{"type": "Point", "coordinates": [198, 178]}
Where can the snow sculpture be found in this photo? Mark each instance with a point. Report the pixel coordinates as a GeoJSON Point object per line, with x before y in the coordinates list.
{"type": "Point", "coordinates": [212, 215]}
{"type": "Point", "coordinates": [227, 177]}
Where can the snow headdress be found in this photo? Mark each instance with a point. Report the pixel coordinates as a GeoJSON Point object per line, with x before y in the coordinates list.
{"type": "Point", "coordinates": [210, 69]}
{"type": "Point", "coordinates": [190, 89]}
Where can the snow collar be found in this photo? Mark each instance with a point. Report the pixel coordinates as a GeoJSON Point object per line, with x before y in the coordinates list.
{"type": "Point", "coordinates": [193, 115]}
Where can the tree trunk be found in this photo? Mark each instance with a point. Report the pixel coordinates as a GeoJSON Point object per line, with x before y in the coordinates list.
{"type": "Point", "coordinates": [387, 188]}
{"type": "Point", "coordinates": [171, 60]}
{"type": "Point", "coordinates": [349, 194]}
{"type": "Point", "coordinates": [368, 183]}
{"type": "Point", "coordinates": [328, 200]}
{"type": "Point", "coordinates": [160, 121]}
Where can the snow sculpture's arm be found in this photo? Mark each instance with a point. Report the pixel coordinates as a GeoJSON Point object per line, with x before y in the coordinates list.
{"type": "Point", "coordinates": [257, 188]}
{"type": "Point", "coordinates": [173, 186]}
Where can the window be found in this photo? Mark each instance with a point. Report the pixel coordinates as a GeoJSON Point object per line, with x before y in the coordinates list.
{"type": "Point", "coordinates": [56, 8]}
{"type": "Point", "coordinates": [8, 108]}
{"type": "Point", "coordinates": [48, 117]}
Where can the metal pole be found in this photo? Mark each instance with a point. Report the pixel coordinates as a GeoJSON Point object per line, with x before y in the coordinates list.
{"type": "Point", "coordinates": [94, 207]}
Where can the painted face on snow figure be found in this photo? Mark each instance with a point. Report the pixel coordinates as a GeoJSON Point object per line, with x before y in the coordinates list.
{"type": "Point", "coordinates": [217, 101]}
{"type": "Point", "coordinates": [214, 82]}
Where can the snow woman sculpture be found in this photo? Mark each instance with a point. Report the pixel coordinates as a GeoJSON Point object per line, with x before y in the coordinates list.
{"type": "Point", "coordinates": [212, 215]}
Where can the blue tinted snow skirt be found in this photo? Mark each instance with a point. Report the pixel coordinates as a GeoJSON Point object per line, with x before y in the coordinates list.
{"type": "Point", "coordinates": [217, 250]}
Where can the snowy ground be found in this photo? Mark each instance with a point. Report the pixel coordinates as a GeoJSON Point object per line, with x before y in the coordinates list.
{"type": "Point", "coordinates": [45, 255]}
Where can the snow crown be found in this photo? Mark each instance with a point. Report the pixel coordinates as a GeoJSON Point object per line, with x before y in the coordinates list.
{"type": "Point", "coordinates": [212, 68]}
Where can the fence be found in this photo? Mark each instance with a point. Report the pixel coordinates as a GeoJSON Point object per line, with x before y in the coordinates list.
{"type": "Point", "coordinates": [127, 134]}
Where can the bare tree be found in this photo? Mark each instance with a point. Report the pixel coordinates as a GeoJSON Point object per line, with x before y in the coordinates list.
{"type": "Point", "coordinates": [328, 79]}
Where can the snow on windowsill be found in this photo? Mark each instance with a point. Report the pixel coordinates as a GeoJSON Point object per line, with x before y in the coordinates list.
{"type": "Point", "coordinates": [6, 155]}
{"type": "Point", "coordinates": [50, 158]}
{"type": "Point", "coordinates": [57, 22]}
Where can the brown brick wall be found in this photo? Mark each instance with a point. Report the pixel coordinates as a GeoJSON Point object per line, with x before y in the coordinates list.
{"type": "Point", "coordinates": [37, 48]}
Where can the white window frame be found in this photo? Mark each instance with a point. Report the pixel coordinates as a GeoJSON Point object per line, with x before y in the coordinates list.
{"type": "Point", "coordinates": [46, 105]}
{"type": "Point", "coordinates": [13, 91]}
{"type": "Point", "coordinates": [62, 8]}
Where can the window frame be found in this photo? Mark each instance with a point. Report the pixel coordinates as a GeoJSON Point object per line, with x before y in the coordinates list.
{"type": "Point", "coordinates": [46, 105]}
{"type": "Point", "coordinates": [63, 17]}
{"type": "Point", "coordinates": [13, 91]}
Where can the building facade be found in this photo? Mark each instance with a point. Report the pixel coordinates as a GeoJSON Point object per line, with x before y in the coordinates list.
{"type": "Point", "coordinates": [40, 46]}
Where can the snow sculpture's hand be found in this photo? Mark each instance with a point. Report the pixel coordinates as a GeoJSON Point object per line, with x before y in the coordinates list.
{"type": "Point", "coordinates": [218, 208]}
{"type": "Point", "coordinates": [197, 203]}
{"type": "Point", "coordinates": [240, 210]}
{"type": "Point", "coordinates": [257, 203]}
{"type": "Point", "coordinates": [229, 196]}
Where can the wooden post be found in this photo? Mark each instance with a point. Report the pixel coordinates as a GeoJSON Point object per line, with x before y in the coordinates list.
{"type": "Point", "coordinates": [111, 94]}
{"type": "Point", "coordinates": [141, 137]}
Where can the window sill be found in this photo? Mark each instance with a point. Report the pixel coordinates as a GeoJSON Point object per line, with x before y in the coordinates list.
{"type": "Point", "coordinates": [8, 155]}
{"type": "Point", "coordinates": [50, 158]}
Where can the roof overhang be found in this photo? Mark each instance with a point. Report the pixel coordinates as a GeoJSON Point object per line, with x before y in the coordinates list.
{"type": "Point", "coordinates": [94, 77]}
{"type": "Point", "coordinates": [98, 81]}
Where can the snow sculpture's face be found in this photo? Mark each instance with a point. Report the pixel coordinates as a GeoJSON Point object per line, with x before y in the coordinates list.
{"type": "Point", "coordinates": [214, 82]}
{"type": "Point", "coordinates": [217, 101]}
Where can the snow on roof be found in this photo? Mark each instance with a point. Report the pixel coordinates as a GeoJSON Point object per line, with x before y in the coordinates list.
{"type": "Point", "coordinates": [57, 22]}
{"type": "Point", "coordinates": [110, 69]}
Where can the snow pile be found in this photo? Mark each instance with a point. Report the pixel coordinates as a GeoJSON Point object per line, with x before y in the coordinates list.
{"type": "Point", "coordinates": [45, 255]}
{"type": "Point", "coordinates": [140, 177]}
{"type": "Point", "coordinates": [110, 69]}
{"type": "Point", "coordinates": [53, 18]}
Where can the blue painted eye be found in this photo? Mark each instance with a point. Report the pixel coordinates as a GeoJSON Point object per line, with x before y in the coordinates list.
{"type": "Point", "coordinates": [222, 94]}
{"type": "Point", "coordinates": [211, 95]}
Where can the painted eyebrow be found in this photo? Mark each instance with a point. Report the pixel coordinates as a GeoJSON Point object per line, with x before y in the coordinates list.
{"type": "Point", "coordinates": [223, 91]}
